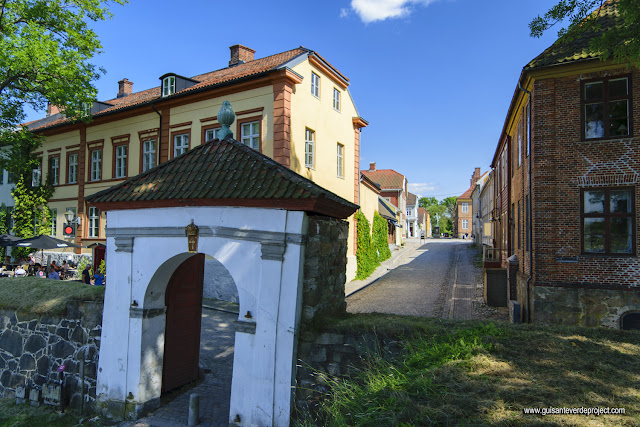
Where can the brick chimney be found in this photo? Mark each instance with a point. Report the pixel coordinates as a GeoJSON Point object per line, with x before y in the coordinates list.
{"type": "Point", "coordinates": [476, 176]}
{"type": "Point", "coordinates": [372, 166]}
{"type": "Point", "coordinates": [240, 54]}
{"type": "Point", "coordinates": [125, 87]}
{"type": "Point", "coordinates": [52, 109]}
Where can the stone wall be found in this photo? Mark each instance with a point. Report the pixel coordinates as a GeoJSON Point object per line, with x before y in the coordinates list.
{"type": "Point", "coordinates": [32, 347]}
{"type": "Point", "coordinates": [583, 306]}
{"type": "Point", "coordinates": [325, 267]}
{"type": "Point", "coordinates": [324, 355]}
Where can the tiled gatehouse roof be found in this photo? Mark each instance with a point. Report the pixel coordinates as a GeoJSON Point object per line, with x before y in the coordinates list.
{"type": "Point", "coordinates": [222, 173]}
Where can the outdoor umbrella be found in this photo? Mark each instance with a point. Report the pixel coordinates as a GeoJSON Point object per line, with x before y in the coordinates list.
{"type": "Point", "coordinates": [9, 240]}
{"type": "Point", "coordinates": [44, 242]}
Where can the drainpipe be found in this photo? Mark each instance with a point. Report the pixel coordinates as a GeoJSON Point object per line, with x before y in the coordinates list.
{"type": "Point", "coordinates": [529, 209]}
{"type": "Point", "coordinates": [159, 131]}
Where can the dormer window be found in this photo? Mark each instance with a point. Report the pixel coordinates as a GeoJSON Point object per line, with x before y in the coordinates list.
{"type": "Point", "coordinates": [86, 108]}
{"type": "Point", "coordinates": [168, 85]}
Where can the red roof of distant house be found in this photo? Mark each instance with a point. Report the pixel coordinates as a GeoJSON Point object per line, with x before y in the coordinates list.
{"type": "Point", "coordinates": [422, 213]}
{"type": "Point", "coordinates": [467, 194]}
{"type": "Point", "coordinates": [387, 178]}
{"type": "Point", "coordinates": [411, 199]}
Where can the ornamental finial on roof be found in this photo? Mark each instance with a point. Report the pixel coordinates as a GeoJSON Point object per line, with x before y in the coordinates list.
{"type": "Point", "coordinates": [226, 117]}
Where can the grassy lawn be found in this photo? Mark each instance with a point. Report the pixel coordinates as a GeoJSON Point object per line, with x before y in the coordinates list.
{"type": "Point", "coordinates": [12, 415]}
{"type": "Point", "coordinates": [44, 296]}
{"type": "Point", "coordinates": [482, 373]}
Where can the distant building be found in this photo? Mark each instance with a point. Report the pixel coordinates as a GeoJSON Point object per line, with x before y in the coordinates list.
{"type": "Point", "coordinates": [412, 228]}
{"type": "Point", "coordinates": [463, 216]}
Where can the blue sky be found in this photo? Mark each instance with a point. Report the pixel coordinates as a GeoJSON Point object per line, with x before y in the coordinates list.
{"type": "Point", "coordinates": [434, 78]}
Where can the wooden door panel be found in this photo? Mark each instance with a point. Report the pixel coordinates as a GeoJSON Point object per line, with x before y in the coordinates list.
{"type": "Point", "coordinates": [183, 299]}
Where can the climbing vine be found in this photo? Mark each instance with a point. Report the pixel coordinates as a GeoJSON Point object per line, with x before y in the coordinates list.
{"type": "Point", "coordinates": [380, 233]}
{"type": "Point", "coordinates": [31, 216]}
{"type": "Point", "coordinates": [366, 253]}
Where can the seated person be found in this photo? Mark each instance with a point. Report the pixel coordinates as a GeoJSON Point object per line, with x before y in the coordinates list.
{"type": "Point", "coordinates": [99, 277]}
{"type": "Point", "coordinates": [54, 266]}
{"type": "Point", "coordinates": [19, 272]}
{"type": "Point", "coordinates": [86, 276]}
{"type": "Point", "coordinates": [54, 275]}
{"type": "Point", "coordinates": [42, 272]}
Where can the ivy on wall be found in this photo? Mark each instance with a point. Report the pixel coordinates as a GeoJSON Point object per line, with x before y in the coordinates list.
{"type": "Point", "coordinates": [366, 253]}
{"type": "Point", "coordinates": [380, 236]}
{"type": "Point", "coordinates": [31, 216]}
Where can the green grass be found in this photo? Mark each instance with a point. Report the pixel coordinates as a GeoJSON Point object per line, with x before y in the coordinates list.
{"type": "Point", "coordinates": [482, 373]}
{"type": "Point", "coordinates": [12, 415]}
{"type": "Point", "coordinates": [44, 296]}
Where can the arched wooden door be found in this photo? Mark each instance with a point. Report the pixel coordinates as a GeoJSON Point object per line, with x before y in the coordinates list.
{"type": "Point", "coordinates": [183, 299]}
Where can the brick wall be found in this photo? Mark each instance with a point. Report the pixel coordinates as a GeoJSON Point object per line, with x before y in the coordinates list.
{"type": "Point", "coordinates": [563, 164]}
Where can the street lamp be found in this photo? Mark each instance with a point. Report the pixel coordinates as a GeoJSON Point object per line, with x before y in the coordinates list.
{"type": "Point", "coordinates": [70, 216]}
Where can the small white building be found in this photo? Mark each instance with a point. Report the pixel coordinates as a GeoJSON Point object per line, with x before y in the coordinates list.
{"type": "Point", "coordinates": [222, 210]}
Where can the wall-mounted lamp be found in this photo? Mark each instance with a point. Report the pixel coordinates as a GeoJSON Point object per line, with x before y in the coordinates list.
{"type": "Point", "coordinates": [71, 218]}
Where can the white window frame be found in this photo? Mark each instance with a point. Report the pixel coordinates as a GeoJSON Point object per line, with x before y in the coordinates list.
{"type": "Point", "coordinates": [211, 134]}
{"type": "Point", "coordinates": [54, 221]}
{"type": "Point", "coordinates": [96, 165]}
{"type": "Point", "coordinates": [148, 154]}
{"type": "Point", "coordinates": [168, 86]}
{"type": "Point", "coordinates": [121, 161]}
{"type": "Point", "coordinates": [180, 144]}
{"type": "Point", "coordinates": [340, 160]}
{"type": "Point", "coordinates": [72, 176]}
{"type": "Point", "coordinates": [465, 224]}
{"type": "Point", "coordinates": [465, 207]}
{"type": "Point", "coordinates": [309, 148]}
{"type": "Point", "coordinates": [250, 138]}
{"type": "Point", "coordinates": [36, 174]}
{"type": "Point", "coordinates": [86, 108]}
{"type": "Point", "coordinates": [55, 169]}
{"type": "Point", "coordinates": [315, 85]}
{"type": "Point", "coordinates": [336, 99]}
{"type": "Point", "coordinates": [94, 222]}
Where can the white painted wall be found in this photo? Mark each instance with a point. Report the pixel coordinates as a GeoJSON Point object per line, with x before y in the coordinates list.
{"type": "Point", "coordinates": [271, 289]}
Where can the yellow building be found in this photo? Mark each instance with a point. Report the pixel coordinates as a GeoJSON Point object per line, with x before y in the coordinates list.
{"type": "Point", "coordinates": [293, 106]}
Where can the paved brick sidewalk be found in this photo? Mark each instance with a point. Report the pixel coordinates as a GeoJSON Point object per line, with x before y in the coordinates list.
{"type": "Point", "coordinates": [216, 359]}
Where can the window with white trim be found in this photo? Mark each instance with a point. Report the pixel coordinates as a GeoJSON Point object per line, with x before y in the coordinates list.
{"type": "Point", "coordinates": [94, 222]}
{"type": "Point", "coordinates": [148, 154]}
{"type": "Point", "coordinates": [72, 176]}
{"type": "Point", "coordinates": [336, 99]}
{"type": "Point", "coordinates": [465, 224]}
{"type": "Point", "coordinates": [54, 221]}
{"type": "Point", "coordinates": [121, 161]}
{"type": "Point", "coordinates": [465, 207]}
{"type": "Point", "coordinates": [309, 148]}
{"type": "Point", "coordinates": [315, 85]}
{"type": "Point", "coordinates": [211, 134]}
{"type": "Point", "coordinates": [250, 135]}
{"type": "Point", "coordinates": [180, 144]}
{"type": "Point", "coordinates": [54, 169]}
{"type": "Point", "coordinates": [96, 165]}
{"type": "Point", "coordinates": [340, 160]}
{"type": "Point", "coordinates": [168, 86]}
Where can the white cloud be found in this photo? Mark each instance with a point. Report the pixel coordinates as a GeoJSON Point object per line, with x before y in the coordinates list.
{"type": "Point", "coordinates": [344, 12]}
{"type": "Point", "coordinates": [379, 10]}
{"type": "Point", "coordinates": [421, 188]}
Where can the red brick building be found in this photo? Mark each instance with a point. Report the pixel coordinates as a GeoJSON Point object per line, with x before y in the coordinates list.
{"type": "Point", "coordinates": [393, 187]}
{"type": "Point", "coordinates": [566, 186]}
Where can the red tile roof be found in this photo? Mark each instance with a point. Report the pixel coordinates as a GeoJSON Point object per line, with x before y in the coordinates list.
{"type": "Point", "coordinates": [411, 199]}
{"type": "Point", "coordinates": [222, 173]}
{"type": "Point", "coordinates": [422, 213]}
{"type": "Point", "coordinates": [467, 194]}
{"type": "Point", "coordinates": [225, 75]}
{"type": "Point", "coordinates": [387, 178]}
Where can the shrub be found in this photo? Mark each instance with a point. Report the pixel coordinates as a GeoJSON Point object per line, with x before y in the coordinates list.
{"type": "Point", "coordinates": [366, 253]}
{"type": "Point", "coordinates": [380, 233]}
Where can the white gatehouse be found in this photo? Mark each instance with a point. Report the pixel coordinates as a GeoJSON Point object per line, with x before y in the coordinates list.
{"type": "Point", "coordinates": [227, 207]}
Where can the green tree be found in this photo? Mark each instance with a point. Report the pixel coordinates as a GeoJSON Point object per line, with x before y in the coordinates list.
{"type": "Point", "coordinates": [450, 206]}
{"type": "Point", "coordinates": [45, 49]}
{"type": "Point", "coordinates": [366, 254]}
{"type": "Point", "coordinates": [610, 35]}
{"type": "Point", "coordinates": [31, 216]}
{"type": "Point", "coordinates": [380, 237]}
{"type": "Point", "coordinates": [425, 202]}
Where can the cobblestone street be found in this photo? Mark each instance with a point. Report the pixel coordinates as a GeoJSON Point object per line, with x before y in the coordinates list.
{"type": "Point", "coordinates": [434, 279]}
{"type": "Point", "coordinates": [216, 360]}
